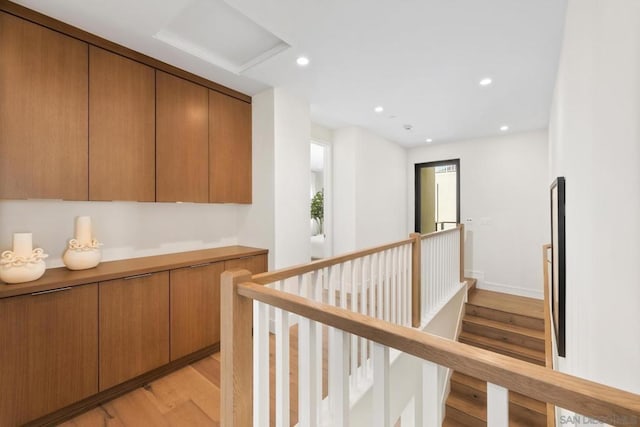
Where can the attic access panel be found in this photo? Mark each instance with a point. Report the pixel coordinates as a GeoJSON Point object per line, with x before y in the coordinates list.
{"type": "Point", "coordinates": [217, 33]}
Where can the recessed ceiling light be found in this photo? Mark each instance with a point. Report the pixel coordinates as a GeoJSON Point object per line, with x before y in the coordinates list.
{"type": "Point", "coordinates": [429, 140]}
{"type": "Point", "coordinates": [379, 109]}
{"type": "Point", "coordinates": [486, 81]}
{"type": "Point", "coordinates": [302, 61]}
{"type": "Point", "coordinates": [504, 128]}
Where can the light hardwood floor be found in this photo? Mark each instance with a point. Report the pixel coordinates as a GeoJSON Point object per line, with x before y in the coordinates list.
{"type": "Point", "coordinates": [189, 397]}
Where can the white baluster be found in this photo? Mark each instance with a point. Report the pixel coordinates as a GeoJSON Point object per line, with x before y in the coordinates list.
{"type": "Point", "coordinates": [387, 285]}
{"type": "Point", "coordinates": [431, 405]}
{"type": "Point", "coordinates": [354, 338]}
{"type": "Point", "coordinates": [260, 364]}
{"type": "Point", "coordinates": [308, 409]}
{"type": "Point", "coordinates": [282, 363]}
{"type": "Point", "coordinates": [497, 405]}
{"type": "Point", "coordinates": [394, 286]}
{"type": "Point", "coordinates": [380, 285]}
{"type": "Point", "coordinates": [338, 377]}
{"type": "Point", "coordinates": [381, 412]}
{"type": "Point", "coordinates": [317, 292]}
{"type": "Point", "coordinates": [334, 279]}
{"type": "Point", "coordinates": [364, 277]}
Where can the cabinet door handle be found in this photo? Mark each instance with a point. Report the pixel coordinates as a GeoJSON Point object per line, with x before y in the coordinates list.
{"type": "Point", "coordinates": [204, 264]}
{"type": "Point", "coordinates": [50, 291]}
{"type": "Point", "coordinates": [138, 276]}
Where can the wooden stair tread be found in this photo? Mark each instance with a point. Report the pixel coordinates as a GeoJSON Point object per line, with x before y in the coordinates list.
{"type": "Point", "coordinates": [527, 402]}
{"type": "Point", "coordinates": [508, 327]}
{"type": "Point", "coordinates": [469, 381]}
{"type": "Point", "coordinates": [450, 422]}
{"type": "Point", "coordinates": [508, 303]}
{"type": "Point", "coordinates": [514, 397]}
{"type": "Point", "coordinates": [502, 347]}
{"type": "Point", "coordinates": [505, 317]}
{"type": "Point", "coordinates": [469, 407]}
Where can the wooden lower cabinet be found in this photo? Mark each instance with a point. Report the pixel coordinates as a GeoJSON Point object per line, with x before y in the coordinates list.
{"type": "Point", "coordinates": [134, 327]}
{"type": "Point", "coordinates": [49, 354]}
{"type": "Point", "coordinates": [255, 264]}
{"type": "Point", "coordinates": [195, 308]}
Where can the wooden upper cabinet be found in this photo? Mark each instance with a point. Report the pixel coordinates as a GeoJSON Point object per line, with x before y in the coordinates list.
{"type": "Point", "coordinates": [49, 355]}
{"type": "Point", "coordinates": [182, 152]}
{"type": "Point", "coordinates": [229, 149]}
{"type": "Point", "coordinates": [43, 112]}
{"type": "Point", "coordinates": [121, 128]}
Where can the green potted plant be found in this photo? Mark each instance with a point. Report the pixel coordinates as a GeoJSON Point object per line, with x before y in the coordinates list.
{"type": "Point", "coordinates": [317, 209]}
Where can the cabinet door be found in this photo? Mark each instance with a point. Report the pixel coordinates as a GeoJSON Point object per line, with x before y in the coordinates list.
{"type": "Point", "coordinates": [195, 308]}
{"type": "Point", "coordinates": [134, 327]}
{"type": "Point", "coordinates": [182, 150]}
{"type": "Point", "coordinates": [122, 154]}
{"type": "Point", "coordinates": [229, 149]}
{"type": "Point", "coordinates": [255, 264]}
{"type": "Point", "coordinates": [49, 355]}
{"type": "Point", "coordinates": [43, 113]}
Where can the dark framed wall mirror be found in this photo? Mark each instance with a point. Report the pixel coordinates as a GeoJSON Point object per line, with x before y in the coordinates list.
{"type": "Point", "coordinates": [437, 198]}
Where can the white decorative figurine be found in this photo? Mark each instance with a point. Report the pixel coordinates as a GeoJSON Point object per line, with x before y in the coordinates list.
{"type": "Point", "coordinates": [23, 263]}
{"type": "Point", "coordinates": [84, 251]}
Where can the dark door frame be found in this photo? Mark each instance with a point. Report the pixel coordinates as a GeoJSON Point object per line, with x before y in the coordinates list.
{"type": "Point", "coordinates": [418, 192]}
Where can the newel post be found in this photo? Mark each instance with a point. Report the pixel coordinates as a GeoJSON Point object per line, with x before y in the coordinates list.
{"type": "Point", "coordinates": [416, 277]}
{"type": "Point", "coordinates": [236, 343]}
{"type": "Point", "coordinates": [461, 252]}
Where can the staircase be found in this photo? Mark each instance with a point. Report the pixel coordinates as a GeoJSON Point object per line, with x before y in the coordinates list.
{"type": "Point", "coordinates": [509, 325]}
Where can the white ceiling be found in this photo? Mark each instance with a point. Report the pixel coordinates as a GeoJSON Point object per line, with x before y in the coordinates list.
{"type": "Point", "coordinates": [421, 59]}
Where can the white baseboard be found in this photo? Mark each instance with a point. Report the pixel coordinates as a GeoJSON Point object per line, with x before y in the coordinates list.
{"type": "Point", "coordinates": [506, 289]}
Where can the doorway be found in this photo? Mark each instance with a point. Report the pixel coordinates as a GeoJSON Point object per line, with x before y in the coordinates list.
{"type": "Point", "coordinates": [437, 198]}
{"type": "Point", "coordinates": [320, 200]}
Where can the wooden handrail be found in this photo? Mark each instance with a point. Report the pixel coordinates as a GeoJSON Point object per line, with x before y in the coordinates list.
{"type": "Point", "coordinates": [285, 273]}
{"type": "Point", "coordinates": [585, 397]}
{"type": "Point", "coordinates": [438, 233]}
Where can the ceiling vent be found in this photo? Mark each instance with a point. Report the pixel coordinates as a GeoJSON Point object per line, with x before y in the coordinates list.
{"type": "Point", "coordinates": [217, 33]}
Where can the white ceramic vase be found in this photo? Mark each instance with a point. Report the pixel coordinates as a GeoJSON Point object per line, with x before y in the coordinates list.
{"type": "Point", "coordinates": [23, 263]}
{"type": "Point", "coordinates": [83, 252]}
{"type": "Point", "coordinates": [81, 259]}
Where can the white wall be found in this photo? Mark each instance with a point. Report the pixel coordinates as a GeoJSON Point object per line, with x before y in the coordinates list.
{"type": "Point", "coordinates": [256, 223]}
{"type": "Point", "coordinates": [595, 145]}
{"type": "Point", "coordinates": [292, 204]}
{"type": "Point", "coordinates": [345, 143]}
{"type": "Point", "coordinates": [504, 191]}
{"type": "Point", "coordinates": [369, 190]}
{"type": "Point", "coordinates": [127, 229]}
{"type": "Point", "coordinates": [280, 214]}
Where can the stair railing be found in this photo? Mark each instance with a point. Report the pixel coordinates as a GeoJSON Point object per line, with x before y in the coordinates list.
{"type": "Point", "coordinates": [241, 408]}
{"type": "Point", "coordinates": [391, 282]}
{"type": "Point", "coordinates": [441, 271]}
{"type": "Point", "coordinates": [375, 282]}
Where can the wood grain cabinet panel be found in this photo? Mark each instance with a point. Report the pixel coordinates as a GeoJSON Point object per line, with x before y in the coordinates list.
{"type": "Point", "coordinates": [43, 112]}
{"type": "Point", "coordinates": [134, 327]}
{"type": "Point", "coordinates": [121, 128]}
{"type": "Point", "coordinates": [49, 355]}
{"type": "Point", "coordinates": [182, 151]}
{"type": "Point", "coordinates": [195, 308]}
{"type": "Point", "coordinates": [255, 264]}
{"type": "Point", "coordinates": [229, 149]}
